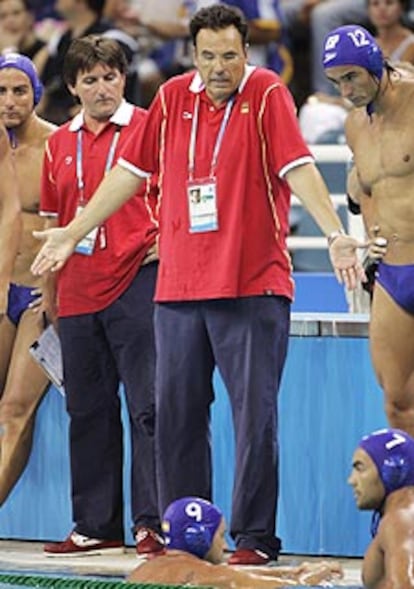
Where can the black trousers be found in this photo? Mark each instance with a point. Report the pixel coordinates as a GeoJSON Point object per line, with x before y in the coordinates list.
{"type": "Point", "coordinates": [246, 339]}
{"type": "Point", "coordinates": [100, 350]}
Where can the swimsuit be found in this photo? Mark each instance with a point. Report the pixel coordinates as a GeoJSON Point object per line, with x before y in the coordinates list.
{"type": "Point", "coordinates": [19, 300]}
{"type": "Point", "coordinates": [398, 281]}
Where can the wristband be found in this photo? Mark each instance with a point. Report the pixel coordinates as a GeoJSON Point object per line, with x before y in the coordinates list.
{"type": "Point", "coordinates": [332, 236]}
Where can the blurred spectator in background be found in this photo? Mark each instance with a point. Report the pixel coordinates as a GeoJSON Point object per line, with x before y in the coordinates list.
{"type": "Point", "coordinates": [392, 35]}
{"type": "Point", "coordinates": [17, 31]}
{"type": "Point", "coordinates": [165, 50]}
{"type": "Point", "coordinates": [44, 9]}
{"type": "Point", "coordinates": [323, 115]}
{"type": "Point", "coordinates": [268, 41]}
{"type": "Point", "coordinates": [307, 22]}
{"type": "Point", "coordinates": [82, 17]}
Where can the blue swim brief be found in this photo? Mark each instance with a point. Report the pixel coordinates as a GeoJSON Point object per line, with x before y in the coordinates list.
{"type": "Point", "coordinates": [398, 281]}
{"type": "Point", "coordinates": [20, 298]}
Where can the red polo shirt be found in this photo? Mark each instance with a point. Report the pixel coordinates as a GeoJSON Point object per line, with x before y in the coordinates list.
{"type": "Point", "coordinates": [87, 284]}
{"type": "Point", "coordinates": [247, 255]}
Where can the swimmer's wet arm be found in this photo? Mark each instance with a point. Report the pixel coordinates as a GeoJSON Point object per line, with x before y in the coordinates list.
{"type": "Point", "coordinates": [49, 284]}
{"type": "Point", "coordinates": [10, 219]}
{"type": "Point", "coordinates": [229, 577]}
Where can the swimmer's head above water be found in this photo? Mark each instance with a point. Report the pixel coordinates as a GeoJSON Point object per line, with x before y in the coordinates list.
{"type": "Point", "coordinates": [392, 452]}
{"type": "Point", "coordinates": [382, 464]}
{"type": "Point", "coordinates": [191, 524]}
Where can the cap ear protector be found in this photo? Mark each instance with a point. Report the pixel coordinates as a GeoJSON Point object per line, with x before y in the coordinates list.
{"type": "Point", "coordinates": [37, 92]}
{"type": "Point", "coordinates": [25, 65]}
{"type": "Point", "coordinates": [198, 539]}
{"type": "Point", "coordinates": [375, 62]}
{"type": "Point", "coordinates": [394, 472]}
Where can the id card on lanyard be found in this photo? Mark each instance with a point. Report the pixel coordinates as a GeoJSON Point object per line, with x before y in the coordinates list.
{"type": "Point", "coordinates": [202, 192]}
{"type": "Point", "coordinates": [87, 245]}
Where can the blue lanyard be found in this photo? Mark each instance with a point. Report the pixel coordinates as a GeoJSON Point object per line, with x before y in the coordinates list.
{"type": "Point", "coordinates": [219, 139]}
{"type": "Point", "coordinates": [79, 168]}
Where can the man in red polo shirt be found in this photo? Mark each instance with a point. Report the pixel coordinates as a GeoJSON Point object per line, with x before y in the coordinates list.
{"type": "Point", "coordinates": [226, 145]}
{"type": "Point", "coordinates": [105, 309]}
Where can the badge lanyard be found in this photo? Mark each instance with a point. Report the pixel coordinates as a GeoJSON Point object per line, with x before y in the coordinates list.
{"type": "Point", "coordinates": [86, 246]}
{"type": "Point", "coordinates": [219, 139]}
{"type": "Point", "coordinates": [79, 167]}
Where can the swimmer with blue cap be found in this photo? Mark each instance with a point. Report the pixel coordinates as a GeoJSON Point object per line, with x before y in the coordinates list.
{"type": "Point", "coordinates": [26, 66]}
{"type": "Point", "coordinates": [190, 524]}
{"type": "Point", "coordinates": [351, 57]}
{"type": "Point", "coordinates": [194, 532]}
{"type": "Point", "coordinates": [382, 478]}
{"type": "Point", "coordinates": [27, 82]}
{"type": "Point", "coordinates": [23, 382]}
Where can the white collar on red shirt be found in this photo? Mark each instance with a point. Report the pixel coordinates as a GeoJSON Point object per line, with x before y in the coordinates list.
{"type": "Point", "coordinates": [121, 117]}
{"type": "Point", "coordinates": [197, 84]}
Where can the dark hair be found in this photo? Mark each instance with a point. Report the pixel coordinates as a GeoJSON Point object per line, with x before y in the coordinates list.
{"type": "Point", "coordinates": [405, 4]}
{"type": "Point", "coordinates": [96, 6]}
{"type": "Point", "coordinates": [217, 17]}
{"type": "Point", "coordinates": [84, 53]}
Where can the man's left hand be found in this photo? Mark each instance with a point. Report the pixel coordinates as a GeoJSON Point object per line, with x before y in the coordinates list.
{"type": "Point", "coordinates": [344, 259]}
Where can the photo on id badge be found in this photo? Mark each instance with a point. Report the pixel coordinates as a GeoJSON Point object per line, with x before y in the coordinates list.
{"type": "Point", "coordinates": [202, 205]}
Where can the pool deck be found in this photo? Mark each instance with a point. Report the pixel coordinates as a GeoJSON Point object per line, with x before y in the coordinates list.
{"type": "Point", "coordinates": [28, 557]}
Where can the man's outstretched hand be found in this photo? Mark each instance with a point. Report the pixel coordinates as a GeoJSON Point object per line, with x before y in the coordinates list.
{"type": "Point", "coordinates": [57, 247]}
{"type": "Point", "coordinates": [344, 259]}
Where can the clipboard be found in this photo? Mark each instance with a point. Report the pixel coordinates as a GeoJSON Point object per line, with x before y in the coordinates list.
{"type": "Point", "coordinates": [47, 352]}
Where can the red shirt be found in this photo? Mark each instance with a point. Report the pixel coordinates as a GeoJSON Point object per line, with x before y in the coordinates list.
{"type": "Point", "coordinates": [88, 284]}
{"type": "Point", "coordinates": [247, 255]}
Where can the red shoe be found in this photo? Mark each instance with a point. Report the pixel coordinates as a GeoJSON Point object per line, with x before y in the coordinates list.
{"type": "Point", "coordinates": [148, 542]}
{"type": "Point", "coordinates": [78, 545]}
{"type": "Point", "coordinates": [248, 556]}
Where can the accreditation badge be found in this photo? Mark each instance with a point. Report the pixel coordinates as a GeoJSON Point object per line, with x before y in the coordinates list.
{"type": "Point", "coordinates": [202, 205]}
{"type": "Point", "coordinates": [87, 245]}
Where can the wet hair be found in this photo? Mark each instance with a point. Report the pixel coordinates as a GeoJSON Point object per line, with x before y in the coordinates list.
{"type": "Point", "coordinates": [217, 17]}
{"type": "Point", "coordinates": [86, 52]}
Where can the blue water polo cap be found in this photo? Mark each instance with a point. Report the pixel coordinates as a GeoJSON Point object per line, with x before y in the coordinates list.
{"type": "Point", "coordinates": [392, 452]}
{"type": "Point", "coordinates": [353, 45]}
{"type": "Point", "coordinates": [189, 524]}
{"type": "Point", "coordinates": [25, 65]}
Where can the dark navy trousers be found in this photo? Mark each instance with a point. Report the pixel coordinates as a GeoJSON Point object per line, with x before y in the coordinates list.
{"type": "Point", "coordinates": [100, 350]}
{"type": "Point", "coordinates": [246, 338]}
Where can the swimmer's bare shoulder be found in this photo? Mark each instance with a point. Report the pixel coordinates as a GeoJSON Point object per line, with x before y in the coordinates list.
{"type": "Point", "coordinates": [177, 567]}
{"type": "Point", "coordinates": [389, 557]}
{"type": "Point", "coordinates": [354, 123]}
{"type": "Point", "coordinates": [45, 129]}
{"type": "Point", "coordinates": [185, 569]}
